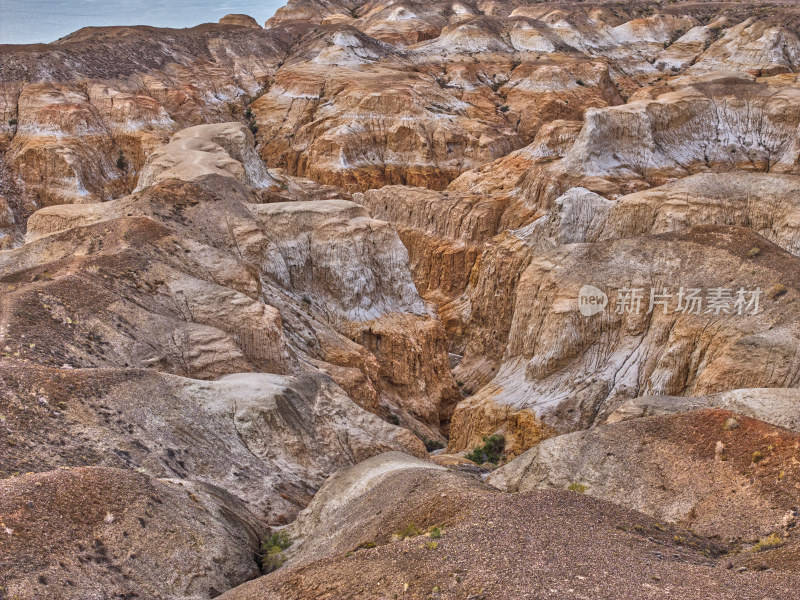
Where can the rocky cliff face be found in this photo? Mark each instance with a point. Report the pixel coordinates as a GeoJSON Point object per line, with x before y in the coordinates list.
{"type": "Point", "coordinates": [239, 263]}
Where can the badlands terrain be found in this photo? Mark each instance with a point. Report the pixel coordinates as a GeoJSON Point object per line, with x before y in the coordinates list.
{"type": "Point", "coordinates": [448, 299]}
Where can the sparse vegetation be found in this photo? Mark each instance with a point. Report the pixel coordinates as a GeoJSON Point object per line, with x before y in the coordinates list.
{"type": "Point", "coordinates": [431, 445]}
{"type": "Point", "coordinates": [776, 291]}
{"type": "Point", "coordinates": [492, 450]}
{"type": "Point", "coordinates": [580, 82]}
{"type": "Point", "coordinates": [435, 532]}
{"type": "Point", "coordinates": [272, 551]}
{"type": "Point", "coordinates": [758, 456]}
{"type": "Point", "coordinates": [251, 120]}
{"type": "Point", "coordinates": [409, 531]}
{"type": "Point", "coordinates": [730, 424]}
{"type": "Point", "coordinates": [12, 121]}
{"type": "Point", "coordinates": [505, 108]}
{"type": "Point", "coordinates": [122, 164]}
{"type": "Point", "coordinates": [393, 419]}
{"type": "Point", "coordinates": [770, 542]}
{"type": "Point", "coordinates": [364, 546]}
{"type": "Point", "coordinates": [753, 252]}
{"type": "Point", "coordinates": [577, 487]}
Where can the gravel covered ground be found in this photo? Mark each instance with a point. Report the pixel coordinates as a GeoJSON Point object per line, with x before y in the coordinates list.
{"type": "Point", "coordinates": [543, 544]}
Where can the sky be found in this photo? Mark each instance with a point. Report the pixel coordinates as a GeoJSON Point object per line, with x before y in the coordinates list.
{"type": "Point", "coordinates": [31, 21]}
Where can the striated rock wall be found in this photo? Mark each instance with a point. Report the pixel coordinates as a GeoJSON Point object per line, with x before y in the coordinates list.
{"type": "Point", "coordinates": [765, 203]}
{"type": "Point", "coordinates": [235, 259]}
{"type": "Point", "coordinates": [269, 440]}
{"type": "Point", "coordinates": [80, 117]}
{"type": "Point", "coordinates": [569, 371]}
{"type": "Point", "coordinates": [286, 278]}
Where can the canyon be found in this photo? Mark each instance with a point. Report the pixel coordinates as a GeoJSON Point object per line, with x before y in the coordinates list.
{"type": "Point", "coordinates": [387, 299]}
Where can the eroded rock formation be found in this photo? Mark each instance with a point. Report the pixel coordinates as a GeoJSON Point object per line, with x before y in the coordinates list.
{"type": "Point", "coordinates": [239, 262]}
{"type": "Point", "coordinates": [713, 471]}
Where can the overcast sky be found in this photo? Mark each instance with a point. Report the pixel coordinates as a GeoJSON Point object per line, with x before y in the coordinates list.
{"type": "Point", "coordinates": [29, 21]}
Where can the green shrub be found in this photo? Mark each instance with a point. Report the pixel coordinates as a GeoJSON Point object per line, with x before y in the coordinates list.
{"type": "Point", "coordinates": [122, 164]}
{"type": "Point", "coordinates": [365, 546]}
{"type": "Point", "coordinates": [431, 445]}
{"type": "Point", "coordinates": [491, 451]}
{"type": "Point", "coordinates": [272, 551]}
{"type": "Point", "coordinates": [577, 487]}
{"type": "Point", "coordinates": [12, 121]}
{"type": "Point", "coordinates": [435, 532]}
{"type": "Point", "coordinates": [408, 531]}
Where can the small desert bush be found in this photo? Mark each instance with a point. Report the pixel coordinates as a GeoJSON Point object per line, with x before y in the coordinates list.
{"type": "Point", "coordinates": [366, 545]}
{"type": "Point", "coordinates": [431, 445]}
{"type": "Point", "coordinates": [491, 451]}
{"type": "Point", "coordinates": [577, 487]}
{"type": "Point", "coordinates": [730, 424]}
{"type": "Point", "coordinates": [272, 551]}
{"type": "Point", "coordinates": [773, 540]}
{"type": "Point", "coordinates": [408, 531]}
